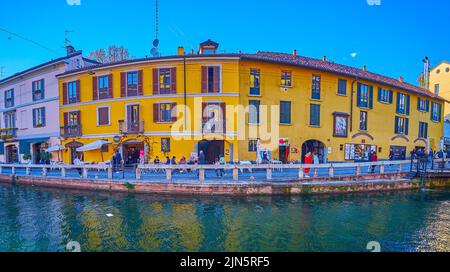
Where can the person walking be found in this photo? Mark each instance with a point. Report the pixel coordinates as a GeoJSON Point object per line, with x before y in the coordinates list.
{"type": "Point", "coordinates": [316, 161]}
{"type": "Point", "coordinates": [117, 160]}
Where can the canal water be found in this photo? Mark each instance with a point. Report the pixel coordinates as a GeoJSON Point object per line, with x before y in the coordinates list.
{"type": "Point", "coordinates": [33, 219]}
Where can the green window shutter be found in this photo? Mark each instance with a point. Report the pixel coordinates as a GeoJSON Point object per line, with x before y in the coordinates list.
{"type": "Point", "coordinates": [396, 125]}
{"type": "Point", "coordinates": [398, 103]}
{"type": "Point", "coordinates": [371, 97]}
{"type": "Point", "coordinates": [428, 105]}
{"type": "Point", "coordinates": [408, 102]}
{"type": "Point", "coordinates": [391, 96]}
{"type": "Point", "coordinates": [418, 103]}
{"type": "Point", "coordinates": [406, 126]}
{"type": "Point", "coordinates": [358, 101]}
{"type": "Point", "coordinates": [379, 94]}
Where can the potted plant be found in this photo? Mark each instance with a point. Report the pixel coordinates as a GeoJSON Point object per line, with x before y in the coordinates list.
{"type": "Point", "coordinates": [26, 157]}
{"type": "Point", "coordinates": [46, 157]}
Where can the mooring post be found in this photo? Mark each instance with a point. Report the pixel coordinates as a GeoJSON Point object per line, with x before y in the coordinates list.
{"type": "Point", "coordinates": [28, 171]}
{"type": "Point", "coordinates": [400, 168]}
{"type": "Point", "coordinates": [169, 174]}
{"type": "Point", "coordinates": [44, 171]}
{"type": "Point", "coordinates": [85, 173]}
{"type": "Point", "coordinates": [63, 172]}
{"type": "Point", "coordinates": [269, 173]}
{"type": "Point", "coordinates": [235, 174]}
{"type": "Point", "coordinates": [201, 174]}
{"type": "Point", "coordinates": [13, 170]}
{"type": "Point", "coordinates": [110, 172]}
{"type": "Point", "coordinates": [301, 173]}
{"type": "Point", "coordinates": [382, 168]}
{"type": "Point", "coordinates": [138, 173]}
{"type": "Point", "coordinates": [331, 172]}
{"type": "Point", "coordinates": [358, 170]}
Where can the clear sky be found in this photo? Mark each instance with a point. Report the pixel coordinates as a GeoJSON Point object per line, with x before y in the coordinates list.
{"type": "Point", "coordinates": [391, 38]}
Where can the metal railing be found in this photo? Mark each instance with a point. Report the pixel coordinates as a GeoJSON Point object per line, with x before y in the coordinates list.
{"type": "Point", "coordinates": [8, 133]}
{"type": "Point", "coordinates": [71, 131]}
{"type": "Point", "coordinates": [131, 127]}
{"type": "Point", "coordinates": [202, 173]}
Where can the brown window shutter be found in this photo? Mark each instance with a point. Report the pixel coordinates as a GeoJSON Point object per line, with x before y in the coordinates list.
{"type": "Point", "coordinates": [204, 79]}
{"type": "Point", "coordinates": [155, 81]}
{"type": "Point", "coordinates": [123, 84]}
{"type": "Point", "coordinates": [79, 118]}
{"type": "Point", "coordinates": [78, 91]}
{"type": "Point", "coordinates": [204, 116]}
{"type": "Point", "coordinates": [64, 94]}
{"type": "Point", "coordinates": [66, 119]}
{"type": "Point", "coordinates": [95, 88]}
{"type": "Point", "coordinates": [223, 107]}
{"type": "Point", "coordinates": [155, 113]}
{"type": "Point", "coordinates": [110, 86]}
{"type": "Point", "coordinates": [173, 80]}
{"type": "Point", "coordinates": [103, 118]}
{"type": "Point", "coordinates": [173, 117]}
{"type": "Point", "coordinates": [216, 79]}
{"type": "Point", "coordinates": [140, 84]}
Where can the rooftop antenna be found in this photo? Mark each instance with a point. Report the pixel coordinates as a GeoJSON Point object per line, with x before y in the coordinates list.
{"type": "Point", "coordinates": [66, 40]}
{"type": "Point", "coordinates": [154, 51]}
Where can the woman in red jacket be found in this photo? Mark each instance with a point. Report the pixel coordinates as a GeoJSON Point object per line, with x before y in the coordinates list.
{"type": "Point", "coordinates": [308, 160]}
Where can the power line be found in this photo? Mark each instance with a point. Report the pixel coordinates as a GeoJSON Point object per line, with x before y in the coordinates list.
{"type": "Point", "coordinates": [29, 40]}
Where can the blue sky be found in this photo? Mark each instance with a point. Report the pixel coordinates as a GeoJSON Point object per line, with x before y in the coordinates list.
{"type": "Point", "coordinates": [390, 39]}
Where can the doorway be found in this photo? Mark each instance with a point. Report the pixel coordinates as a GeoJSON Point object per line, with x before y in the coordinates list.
{"type": "Point", "coordinates": [37, 152]}
{"type": "Point", "coordinates": [284, 151]}
{"type": "Point", "coordinates": [212, 150]}
{"type": "Point", "coordinates": [131, 152]}
{"type": "Point", "coordinates": [72, 146]}
{"type": "Point", "coordinates": [315, 147]}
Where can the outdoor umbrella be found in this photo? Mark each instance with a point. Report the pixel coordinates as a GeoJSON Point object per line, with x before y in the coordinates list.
{"type": "Point", "coordinates": [93, 146]}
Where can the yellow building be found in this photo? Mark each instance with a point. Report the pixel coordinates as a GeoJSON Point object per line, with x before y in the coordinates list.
{"type": "Point", "coordinates": [440, 82]}
{"type": "Point", "coordinates": [235, 105]}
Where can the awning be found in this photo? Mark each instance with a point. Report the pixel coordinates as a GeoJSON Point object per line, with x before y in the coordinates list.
{"type": "Point", "coordinates": [25, 145]}
{"type": "Point", "coordinates": [93, 146]}
{"type": "Point", "coordinates": [55, 148]}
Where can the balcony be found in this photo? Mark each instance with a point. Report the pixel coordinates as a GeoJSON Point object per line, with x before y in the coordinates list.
{"type": "Point", "coordinates": [131, 127]}
{"type": "Point", "coordinates": [8, 133]}
{"type": "Point", "coordinates": [71, 131]}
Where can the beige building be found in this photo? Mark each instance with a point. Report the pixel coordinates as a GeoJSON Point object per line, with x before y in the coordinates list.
{"type": "Point", "coordinates": [440, 82]}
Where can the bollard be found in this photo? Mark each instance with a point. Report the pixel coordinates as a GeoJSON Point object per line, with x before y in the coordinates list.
{"type": "Point", "coordinates": [331, 172]}
{"type": "Point", "coordinates": [13, 170]}
{"type": "Point", "coordinates": [316, 172]}
{"type": "Point", "coordinates": [63, 172]}
{"type": "Point", "coordinates": [138, 173]}
{"type": "Point", "coordinates": [44, 172]}
{"type": "Point", "coordinates": [85, 173]}
{"type": "Point", "coordinates": [358, 170]}
{"type": "Point", "coordinates": [382, 169]}
{"type": "Point", "coordinates": [28, 171]}
{"type": "Point", "coordinates": [269, 173]}
{"type": "Point", "coordinates": [400, 168]}
{"type": "Point", "coordinates": [110, 172]}
{"type": "Point", "coordinates": [235, 174]}
{"type": "Point", "coordinates": [169, 174]}
{"type": "Point", "coordinates": [1, 169]}
{"type": "Point", "coordinates": [201, 174]}
{"type": "Point", "coordinates": [301, 173]}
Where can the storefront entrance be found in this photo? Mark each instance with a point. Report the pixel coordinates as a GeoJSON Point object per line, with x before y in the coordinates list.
{"type": "Point", "coordinates": [315, 147]}
{"type": "Point", "coordinates": [12, 154]}
{"type": "Point", "coordinates": [72, 146]}
{"type": "Point", "coordinates": [37, 151]}
{"type": "Point", "coordinates": [284, 151]}
{"type": "Point", "coordinates": [131, 152]}
{"type": "Point", "coordinates": [213, 150]}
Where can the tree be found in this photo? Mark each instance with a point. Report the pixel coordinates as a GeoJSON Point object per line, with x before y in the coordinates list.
{"type": "Point", "coordinates": [112, 54]}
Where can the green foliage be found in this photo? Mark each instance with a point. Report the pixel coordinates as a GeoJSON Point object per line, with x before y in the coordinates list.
{"type": "Point", "coordinates": [129, 186]}
{"type": "Point", "coordinates": [27, 156]}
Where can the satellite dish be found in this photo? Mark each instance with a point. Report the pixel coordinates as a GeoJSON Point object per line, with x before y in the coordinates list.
{"type": "Point", "coordinates": [156, 43]}
{"type": "Point", "coordinates": [154, 52]}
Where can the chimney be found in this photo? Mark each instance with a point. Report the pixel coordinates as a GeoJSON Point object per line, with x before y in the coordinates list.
{"type": "Point", "coordinates": [364, 68]}
{"type": "Point", "coordinates": [324, 58]}
{"type": "Point", "coordinates": [295, 52]}
{"type": "Point", "coordinates": [70, 50]}
{"type": "Point", "coordinates": [180, 50]}
{"type": "Point", "coordinates": [400, 78]}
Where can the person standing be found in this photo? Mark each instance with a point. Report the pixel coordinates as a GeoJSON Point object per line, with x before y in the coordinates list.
{"type": "Point", "coordinates": [117, 159]}
{"type": "Point", "coordinates": [308, 161]}
{"type": "Point", "coordinates": [202, 157]}
{"type": "Point", "coordinates": [373, 158]}
{"type": "Point", "coordinates": [316, 161]}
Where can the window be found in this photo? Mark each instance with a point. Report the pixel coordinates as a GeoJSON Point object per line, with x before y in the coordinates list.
{"type": "Point", "coordinates": [38, 89]}
{"type": "Point", "coordinates": [211, 80]}
{"type": "Point", "coordinates": [385, 96]}
{"type": "Point", "coordinates": [363, 120]}
{"type": "Point", "coordinates": [436, 89]}
{"type": "Point", "coordinates": [340, 124]}
{"type": "Point", "coordinates": [164, 112]}
{"type": "Point", "coordinates": [436, 112]}
{"type": "Point", "coordinates": [423, 130]}
{"type": "Point", "coordinates": [403, 103]}
{"type": "Point", "coordinates": [365, 96]}
{"type": "Point", "coordinates": [255, 77]}
{"type": "Point", "coordinates": [315, 87]}
{"type": "Point", "coordinates": [447, 69]}
{"type": "Point", "coordinates": [73, 119]}
{"type": "Point", "coordinates": [10, 119]}
{"type": "Point", "coordinates": [423, 104]}
{"type": "Point", "coordinates": [285, 112]}
{"type": "Point", "coordinates": [103, 87]}
{"type": "Point", "coordinates": [72, 92]}
{"type": "Point", "coordinates": [132, 83]}
{"type": "Point", "coordinates": [314, 115]}
{"type": "Point", "coordinates": [165, 145]}
{"type": "Point", "coordinates": [103, 116]}
{"type": "Point", "coordinates": [286, 79]}
{"type": "Point", "coordinates": [39, 117]}
{"type": "Point", "coordinates": [9, 98]}
{"type": "Point", "coordinates": [401, 125]}
{"type": "Point", "coordinates": [252, 145]}
{"type": "Point", "coordinates": [164, 81]}
{"type": "Point", "coordinates": [254, 113]}
{"type": "Point", "coordinates": [342, 87]}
